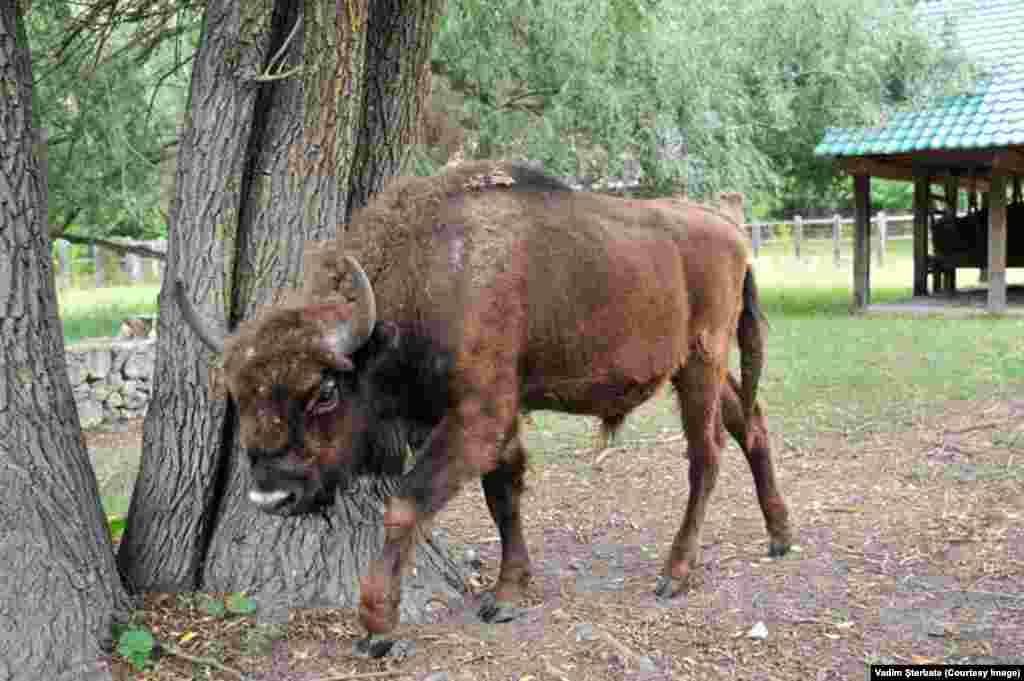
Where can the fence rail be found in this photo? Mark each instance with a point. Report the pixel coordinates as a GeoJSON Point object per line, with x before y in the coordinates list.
{"type": "Point", "coordinates": [106, 265]}
{"type": "Point", "coordinates": [793, 233]}
{"type": "Point", "coordinates": [798, 230]}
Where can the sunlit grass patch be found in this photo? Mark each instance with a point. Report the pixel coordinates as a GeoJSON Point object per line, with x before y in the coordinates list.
{"type": "Point", "coordinates": [97, 313]}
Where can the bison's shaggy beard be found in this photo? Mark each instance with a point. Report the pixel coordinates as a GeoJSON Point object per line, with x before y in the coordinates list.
{"type": "Point", "coordinates": [403, 392]}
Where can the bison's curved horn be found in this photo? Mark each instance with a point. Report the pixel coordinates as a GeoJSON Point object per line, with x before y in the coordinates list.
{"type": "Point", "coordinates": [355, 335]}
{"type": "Point", "coordinates": [188, 311]}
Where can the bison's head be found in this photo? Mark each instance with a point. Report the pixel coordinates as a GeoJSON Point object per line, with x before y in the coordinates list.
{"type": "Point", "coordinates": [310, 384]}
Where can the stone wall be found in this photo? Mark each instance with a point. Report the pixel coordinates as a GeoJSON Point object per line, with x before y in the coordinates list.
{"type": "Point", "coordinates": [111, 379]}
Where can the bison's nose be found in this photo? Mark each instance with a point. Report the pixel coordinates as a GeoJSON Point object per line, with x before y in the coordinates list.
{"type": "Point", "coordinates": [271, 499]}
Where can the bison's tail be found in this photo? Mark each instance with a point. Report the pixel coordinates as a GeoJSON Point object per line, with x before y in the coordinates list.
{"type": "Point", "coordinates": [750, 337]}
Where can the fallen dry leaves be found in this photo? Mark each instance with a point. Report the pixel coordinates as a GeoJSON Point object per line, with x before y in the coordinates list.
{"type": "Point", "coordinates": [911, 549]}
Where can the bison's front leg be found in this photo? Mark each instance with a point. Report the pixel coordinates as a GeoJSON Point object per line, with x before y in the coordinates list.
{"type": "Point", "coordinates": [380, 589]}
{"type": "Point", "coordinates": [503, 488]}
{"type": "Point", "coordinates": [466, 444]}
{"type": "Point", "coordinates": [426, 488]}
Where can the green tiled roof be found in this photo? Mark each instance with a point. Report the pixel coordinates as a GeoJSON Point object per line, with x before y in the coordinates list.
{"type": "Point", "coordinates": [991, 33]}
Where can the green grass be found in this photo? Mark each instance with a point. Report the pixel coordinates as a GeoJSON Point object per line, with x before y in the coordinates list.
{"type": "Point", "coordinates": [828, 370]}
{"type": "Point", "coordinates": [116, 469]}
{"type": "Point", "coordinates": [94, 313]}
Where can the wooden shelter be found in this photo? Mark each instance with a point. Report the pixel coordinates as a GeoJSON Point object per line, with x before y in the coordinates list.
{"type": "Point", "coordinates": [971, 142]}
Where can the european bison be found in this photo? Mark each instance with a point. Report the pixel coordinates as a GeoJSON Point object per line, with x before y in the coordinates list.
{"type": "Point", "coordinates": [490, 290]}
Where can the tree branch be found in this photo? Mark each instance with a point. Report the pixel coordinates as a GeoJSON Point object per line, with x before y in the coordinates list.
{"type": "Point", "coordinates": [71, 218]}
{"type": "Point", "coordinates": [174, 651]}
{"type": "Point", "coordinates": [117, 247]}
{"type": "Point", "coordinates": [513, 102]}
{"type": "Point", "coordinates": [268, 74]}
{"type": "Point", "coordinates": [160, 82]}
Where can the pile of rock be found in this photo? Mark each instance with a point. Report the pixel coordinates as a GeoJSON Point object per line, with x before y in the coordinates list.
{"type": "Point", "coordinates": [111, 379]}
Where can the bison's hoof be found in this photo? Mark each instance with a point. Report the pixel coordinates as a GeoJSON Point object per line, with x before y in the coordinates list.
{"type": "Point", "coordinates": [378, 611]}
{"type": "Point", "coordinates": [381, 647]}
{"type": "Point", "coordinates": [494, 611]}
{"type": "Point", "coordinates": [777, 549]}
{"type": "Point", "coordinates": [667, 587]}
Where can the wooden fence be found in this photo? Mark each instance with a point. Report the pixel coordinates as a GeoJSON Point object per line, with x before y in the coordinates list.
{"type": "Point", "coordinates": [129, 268]}
{"type": "Point", "coordinates": [795, 233]}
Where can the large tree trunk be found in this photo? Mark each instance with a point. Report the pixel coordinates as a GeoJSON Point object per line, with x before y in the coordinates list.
{"type": "Point", "coordinates": [264, 167]}
{"type": "Point", "coordinates": [183, 471]}
{"type": "Point", "coordinates": [59, 587]}
{"type": "Point", "coordinates": [398, 40]}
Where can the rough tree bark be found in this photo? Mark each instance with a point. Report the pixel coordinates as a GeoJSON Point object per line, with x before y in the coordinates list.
{"type": "Point", "coordinates": [265, 165]}
{"type": "Point", "coordinates": [59, 588]}
{"type": "Point", "coordinates": [182, 472]}
{"type": "Point", "coordinates": [398, 40]}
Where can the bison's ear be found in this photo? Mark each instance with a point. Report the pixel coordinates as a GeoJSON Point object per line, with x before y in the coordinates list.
{"type": "Point", "coordinates": [218, 384]}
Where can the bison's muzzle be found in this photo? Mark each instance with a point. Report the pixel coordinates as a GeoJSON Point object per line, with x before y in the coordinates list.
{"type": "Point", "coordinates": [283, 485]}
{"type": "Point", "coordinates": [295, 420]}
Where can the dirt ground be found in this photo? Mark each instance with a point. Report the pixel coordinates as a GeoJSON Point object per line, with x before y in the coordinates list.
{"type": "Point", "coordinates": [910, 549]}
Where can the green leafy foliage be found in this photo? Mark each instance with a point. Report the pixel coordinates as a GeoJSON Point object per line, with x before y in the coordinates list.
{"type": "Point", "coordinates": [236, 604]}
{"type": "Point", "coordinates": [135, 644]}
{"type": "Point", "coordinates": [705, 95]}
{"type": "Point", "coordinates": [214, 607]}
{"type": "Point", "coordinates": [117, 524]}
{"type": "Point", "coordinates": [240, 604]}
{"type": "Point", "coordinates": [109, 92]}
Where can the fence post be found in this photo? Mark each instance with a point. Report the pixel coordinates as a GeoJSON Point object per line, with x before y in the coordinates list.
{"type": "Point", "coordinates": [97, 259]}
{"type": "Point", "coordinates": [755, 235]}
{"type": "Point", "coordinates": [837, 240]}
{"type": "Point", "coordinates": [798, 234]}
{"type": "Point", "coordinates": [883, 228]}
{"type": "Point", "coordinates": [134, 263]}
{"type": "Point", "coordinates": [63, 254]}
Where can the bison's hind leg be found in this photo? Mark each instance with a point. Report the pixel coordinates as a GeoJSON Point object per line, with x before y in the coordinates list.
{"type": "Point", "coordinates": [752, 438]}
{"type": "Point", "coordinates": [503, 488]}
{"type": "Point", "coordinates": [698, 387]}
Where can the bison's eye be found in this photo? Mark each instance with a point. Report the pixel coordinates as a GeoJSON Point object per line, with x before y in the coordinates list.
{"type": "Point", "coordinates": [326, 399]}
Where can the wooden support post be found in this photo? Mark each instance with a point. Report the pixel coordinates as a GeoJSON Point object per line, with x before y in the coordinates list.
{"type": "Point", "coordinates": [861, 242]}
{"type": "Point", "coordinates": [883, 231]}
{"type": "Point", "coordinates": [997, 245]}
{"type": "Point", "coordinates": [947, 279]}
{"type": "Point", "coordinates": [952, 195]}
{"type": "Point", "coordinates": [921, 215]}
{"type": "Point", "coordinates": [837, 240]}
{"type": "Point", "coordinates": [798, 235]}
{"type": "Point", "coordinates": [983, 272]}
